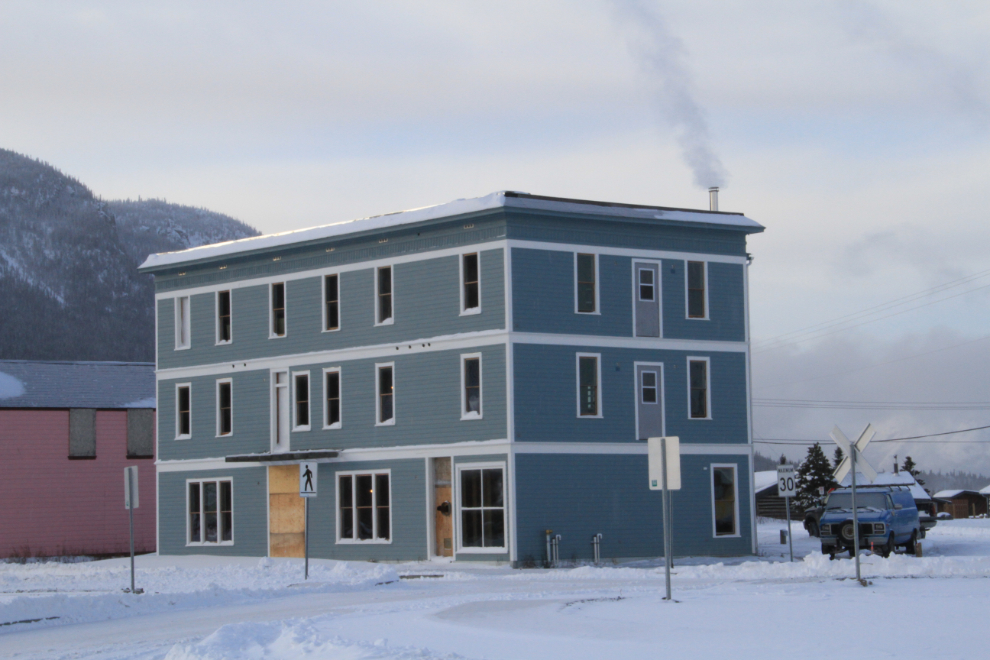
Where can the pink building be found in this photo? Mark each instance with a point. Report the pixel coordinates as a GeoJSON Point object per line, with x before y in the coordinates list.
{"type": "Point", "coordinates": [67, 431]}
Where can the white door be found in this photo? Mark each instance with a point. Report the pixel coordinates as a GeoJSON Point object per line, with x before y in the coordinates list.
{"type": "Point", "coordinates": [280, 410]}
{"type": "Point", "coordinates": [646, 298]}
{"type": "Point", "coordinates": [649, 400]}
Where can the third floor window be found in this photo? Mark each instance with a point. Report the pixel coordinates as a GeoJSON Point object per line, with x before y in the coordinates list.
{"type": "Point", "coordinates": [384, 289]}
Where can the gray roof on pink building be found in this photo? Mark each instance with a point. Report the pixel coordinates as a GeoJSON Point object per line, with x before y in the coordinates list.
{"type": "Point", "coordinates": [107, 385]}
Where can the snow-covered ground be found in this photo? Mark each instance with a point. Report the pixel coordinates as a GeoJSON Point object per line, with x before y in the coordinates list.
{"type": "Point", "coordinates": [200, 608]}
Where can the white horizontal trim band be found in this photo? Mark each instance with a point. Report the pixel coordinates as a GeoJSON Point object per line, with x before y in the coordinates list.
{"type": "Point", "coordinates": [687, 448]}
{"type": "Point", "coordinates": [625, 252]}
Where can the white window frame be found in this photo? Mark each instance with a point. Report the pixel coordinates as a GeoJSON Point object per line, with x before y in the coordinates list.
{"type": "Point", "coordinates": [378, 398]}
{"type": "Point", "coordinates": [296, 426]}
{"type": "Point", "coordinates": [640, 284]}
{"type": "Point", "coordinates": [374, 518]}
{"type": "Point", "coordinates": [183, 322]}
{"type": "Point", "coordinates": [735, 486]}
{"type": "Point", "coordinates": [465, 416]}
{"type": "Point", "coordinates": [228, 381]}
{"type": "Point", "coordinates": [216, 316]}
{"type": "Point", "coordinates": [637, 392]}
{"type": "Point", "coordinates": [460, 269]}
{"type": "Point", "coordinates": [271, 310]}
{"type": "Point", "coordinates": [577, 383]}
{"type": "Point", "coordinates": [391, 275]}
{"type": "Point", "coordinates": [687, 302]}
{"type": "Point", "coordinates": [708, 386]}
{"type": "Point", "coordinates": [457, 527]}
{"type": "Point", "coordinates": [323, 302]}
{"type": "Point", "coordinates": [636, 263]}
{"type": "Point", "coordinates": [209, 544]}
{"type": "Point", "coordinates": [273, 405]}
{"type": "Point", "coordinates": [598, 284]}
{"type": "Point", "coordinates": [340, 390]}
{"type": "Point", "coordinates": [185, 436]}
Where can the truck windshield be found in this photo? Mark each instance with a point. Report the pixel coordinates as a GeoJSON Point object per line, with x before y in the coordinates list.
{"type": "Point", "coordinates": [868, 500]}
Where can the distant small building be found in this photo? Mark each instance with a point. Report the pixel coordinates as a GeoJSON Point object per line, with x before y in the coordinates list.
{"type": "Point", "coordinates": [961, 503]}
{"type": "Point", "coordinates": [67, 431]}
{"type": "Point", "coordinates": [768, 503]}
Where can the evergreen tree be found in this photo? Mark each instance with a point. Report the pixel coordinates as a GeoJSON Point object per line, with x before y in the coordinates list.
{"type": "Point", "coordinates": [839, 455]}
{"type": "Point", "coordinates": [912, 469]}
{"type": "Point", "coordinates": [813, 474]}
{"type": "Point", "coordinates": [783, 460]}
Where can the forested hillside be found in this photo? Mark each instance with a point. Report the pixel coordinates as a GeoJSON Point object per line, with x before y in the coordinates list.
{"type": "Point", "coordinates": [69, 286]}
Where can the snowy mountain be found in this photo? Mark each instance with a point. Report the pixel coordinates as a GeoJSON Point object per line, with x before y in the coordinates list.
{"type": "Point", "coordinates": [69, 286]}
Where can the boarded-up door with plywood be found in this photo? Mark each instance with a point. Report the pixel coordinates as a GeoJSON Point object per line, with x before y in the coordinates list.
{"type": "Point", "coordinates": [444, 521]}
{"type": "Point", "coordinates": [286, 512]}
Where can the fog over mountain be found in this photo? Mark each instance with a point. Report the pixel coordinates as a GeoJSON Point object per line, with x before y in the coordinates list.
{"type": "Point", "coordinates": [69, 286]}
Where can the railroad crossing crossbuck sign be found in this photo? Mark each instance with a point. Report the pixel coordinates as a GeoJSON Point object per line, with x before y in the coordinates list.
{"type": "Point", "coordinates": [862, 465]}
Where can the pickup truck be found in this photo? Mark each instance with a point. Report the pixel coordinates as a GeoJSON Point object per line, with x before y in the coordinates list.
{"type": "Point", "coordinates": [888, 518]}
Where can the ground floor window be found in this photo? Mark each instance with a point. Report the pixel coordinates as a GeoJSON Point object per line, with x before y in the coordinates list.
{"type": "Point", "coordinates": [482, 506]}
{"type": "Point", "coordinates": [364, 505]}
{"type": "Point", "coordinates": [725, 500]}
{"type": "Point", "coordinates": [210, 506]}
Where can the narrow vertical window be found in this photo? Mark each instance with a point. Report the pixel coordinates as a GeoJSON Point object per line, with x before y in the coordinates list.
{"type": "Point", "coordinates": [588, 386]}
{"type": "Point", "coordinates": [195, 519]}
{"type": "Point", "coordinates": [472, 387]}
{"type": "Point", "coordinates": [382, 523]}
{"type": "Point", "coordinates": [696, 290]}
{"type": "Point", "coordinates": [647, 286]}
{"type": "Point", "coordinates": [724, 500]}
{"type": "Point", "coordinates": [469, 272]}
{"type": "Point", "coordinates": [300, 385]}
{"type": "Point", "coordinates": [333, 399]}
{"type": "Point", "coordinates": [183, 421]}
{"type": "Point", "coordinates": [210, 521]}
{"type": "Point", "coordinates": [182, 323]}
{"type": "Point", "coordinates": [278, 309]}
{"type": "Point", "coordinates": [225, 417]}
{"type": "Point", "coordinates": [586, 294]}
{"type": "Point", "coordinates": [698, 374]}
{"type": "Point", "coordinates": [386, 396]}
{"type": "Point", "coordinates": [649, 387]}
{"type": "Point", "coordinates": [226, 512]}
{"type": "Point", "coordinates": [364, 507]}
{"type": "Point", "coordinates": [482, 508]}
{"type": "Point", "coordinates": [346, 508]}
{"type": "Point", "coordinates": [384, 288]}
{"type": "Point", "coordinates": [223, 317]}
{"type": "Point", "coordinates": [331, 303]}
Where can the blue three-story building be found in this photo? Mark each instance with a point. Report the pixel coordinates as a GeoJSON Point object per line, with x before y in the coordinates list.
{"type": "Point", "coordinates": [466, 377]}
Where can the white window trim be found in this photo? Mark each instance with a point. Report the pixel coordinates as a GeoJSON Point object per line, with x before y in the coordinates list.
{"type": "Point", "coordinates": [296, 426]}
{"type": "Point", "coordinates": [183, 323]}
{"type": "Point", "coordinates": [657, 292]}
{"type": "Point", "coordinates": [598, 284]}
{"type": "Point", "coordinates": [735, 486]}
{"type": "Point", "coordinates": [460, 269]}
{"type": "Point", "coordinates": [186, 436]}
{"type": "Point", "coordinates": [271, 310]}
{"type": "Point", "coordinates": [209, 544]}
{"type": "Point", "coordinates": [577, 383]}
{"type": "Point", "coordinates": [230, 382]}
{"type": "Point", "coordinates": [458, 533]}
{"type": "Point", "coordinates": [374, 517]}
{"type": "Point", "coordinates": [216, 317]}
{"type": "Point", "coordinates": [323, 302]}
{"type": "Point", "coordinates": [378, 398]}
{"type": "Point", "coordinates": [708, 386]}
{"type": "Point", "coordinates": [687, 309]}
{"type": "Point", "coordinates": [273, 406]}
{"type": "Point", "coordinates": [340, 391]}
{"type": "Point", "coordinates": [465, 416]}
{"type": "Point", "coordinates": [637, 389]}
{"type": "Point", "coordinates": [391, 275]}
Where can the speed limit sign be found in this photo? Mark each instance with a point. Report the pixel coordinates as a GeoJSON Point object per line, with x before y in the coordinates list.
{"type": "Point", "coordinates": [786, 483]}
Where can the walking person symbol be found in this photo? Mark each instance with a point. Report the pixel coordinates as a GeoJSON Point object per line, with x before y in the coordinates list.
{"type": "Point", "coordinates": [308, 475]}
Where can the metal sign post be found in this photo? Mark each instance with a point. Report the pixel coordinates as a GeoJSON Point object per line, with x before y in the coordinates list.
{"type": "Point", "coordinates": [665, 474]}
{"type": "Point", "coordinates": [849, 463]}
{"type": "Point", "coordinates": [307, 489]}
{"type": "Point", "coordinates": [787, 488]}
{"type": "Point", "coordinates": [130, 503]}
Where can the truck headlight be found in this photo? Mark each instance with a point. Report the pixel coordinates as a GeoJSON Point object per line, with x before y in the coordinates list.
{"type": "Point", "coordinates": [825, 529]}
{"type": "Point", "coordinates": [879, 528]}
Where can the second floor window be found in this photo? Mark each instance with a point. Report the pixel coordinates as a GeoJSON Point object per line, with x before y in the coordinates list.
{"type": "Point", "coordinates": [472, 388]}
{"type": "Point", "coordinates": [183, 326]}
{"type": "Point", "coordinates": [331, 303]}
{"type": "Point", "coordinates": [386, 395]}
{"type": "Point", "coordinates": [333, 399]}
{"type": "Point", "coordinates": [588, 404]}
{"type": "Point", "coordinates": [223, 317]}
{"type": "Point", "coordinates": [697, 304]}
{"type": "Point", "coordinates": [300, 391]}
{"type": "Point", "coordinates": [278, 310]}
{"type": "Point", "coordinates": [698, 374]}
{"type": "Point", "coordinates": [183, 414]}
{"type": "Point", "coordinates": [225, 410]}
{"type": "Point", "coordinates": [470, 295]}
{"type": "Point", "coordinates": [384, 289]}
{"type": "Point", "coordinates": [586, 284]}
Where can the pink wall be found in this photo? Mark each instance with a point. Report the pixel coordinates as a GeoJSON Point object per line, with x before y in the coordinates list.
{"type": "Point", "coordinates": [50, 505]}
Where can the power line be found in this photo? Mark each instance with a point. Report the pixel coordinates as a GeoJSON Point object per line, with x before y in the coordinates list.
{"type": "Point", "coordinates": [913, 438]}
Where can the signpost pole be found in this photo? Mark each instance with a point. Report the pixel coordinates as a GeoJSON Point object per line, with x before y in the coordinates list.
{"type": "Point", "coordinates": [790, 541]}
{"type": "Point", "coordinates": [130, 515]}
{"type": "Point", "coordinates": [667, 545]}
{"type": "Point", "coordinates": [306, 500]}
{"type": "Point", "coordinates": [852, 459]}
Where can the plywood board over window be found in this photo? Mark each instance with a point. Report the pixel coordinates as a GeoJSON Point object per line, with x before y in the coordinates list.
{"type": "Point", "coordinates": [286, 512]}
{"type": "Point", "coordinates": [82, 433]}
{"type": "Point", "coordinates": [140, 433]}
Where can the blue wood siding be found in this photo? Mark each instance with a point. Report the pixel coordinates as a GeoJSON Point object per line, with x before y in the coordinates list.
{"type": "Point", "coordinates": [553, 493]}
{"type": "Point", "coordinates": [726, 303]}
{"type": "Point", "coordinates": [546, 395]}
{"type": "Point", "coordinates": [408, 513]}
{"type": "Point", "coordinates": [426, 304]}
{"type": "Point", "coordinates": [250, 513]}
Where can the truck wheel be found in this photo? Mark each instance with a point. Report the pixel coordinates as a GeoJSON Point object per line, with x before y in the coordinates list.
{"type": "Point", "coordinates": [888, 548]}
{"type": "Point", "coordinates": [912, 545]}
{"type": "Point", "coordinates": [812, 527]}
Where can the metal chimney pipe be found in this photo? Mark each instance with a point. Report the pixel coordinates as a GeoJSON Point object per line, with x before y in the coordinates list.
{"type": "Point", "coordinates": [713, 198]}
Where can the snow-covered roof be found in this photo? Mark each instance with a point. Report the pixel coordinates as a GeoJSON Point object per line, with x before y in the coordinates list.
{"type": "Point", "coordinates": [985, 490]}
{"type": "Point", "coordinates": [502, 199]}
{"type": "Point", "coordinates": [890, 479]}
{"type": "Point", "coordinates": [949, 494]}
{"type": "Point", "coordinates": [764, 479]}
{"type": "Point", "coordinates": [35, 384]}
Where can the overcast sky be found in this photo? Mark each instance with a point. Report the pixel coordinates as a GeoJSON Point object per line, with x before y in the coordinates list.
{"type": "Point", "coordinates": [858, 133]}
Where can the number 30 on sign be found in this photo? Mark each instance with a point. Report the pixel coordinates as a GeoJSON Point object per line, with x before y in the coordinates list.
{"type": "Point", "coordinates": [786, 483]}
